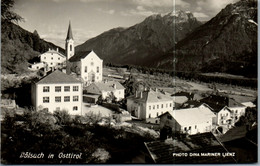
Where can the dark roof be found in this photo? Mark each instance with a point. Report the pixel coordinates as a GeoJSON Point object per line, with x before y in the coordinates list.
{"type": "Point", "coordinates": [189, 95]}
{"type": "Point", "coordinates": [217, 102]}
{"type": "Point", "coordinates": [162, 151]}
{"type": "Point", "coordinates": [191, 104]}
{"type": "Point", "coordinates": [79, 55]}
{"type": "Point", "coordinates": [69, 34]}
{"type": "Point", "coordinates": [57, 77]}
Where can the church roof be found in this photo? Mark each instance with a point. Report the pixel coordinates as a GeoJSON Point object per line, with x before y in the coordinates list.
{"type": "Point", "coordinates": [57, 77]}
{"type": "Point", "coordinates": [69, 34]}
{"type": "Point", "coordinates": [79, 55]}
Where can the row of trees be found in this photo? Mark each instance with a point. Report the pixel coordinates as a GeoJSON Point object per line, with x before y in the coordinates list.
{"type": "Point", "coordinates": [41, 131]}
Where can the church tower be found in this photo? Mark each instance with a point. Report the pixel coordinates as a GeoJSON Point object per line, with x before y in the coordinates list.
{"type": "Point", "coordinates": [69, 44]}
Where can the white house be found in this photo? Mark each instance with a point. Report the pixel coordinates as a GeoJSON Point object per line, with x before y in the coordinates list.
{"type": "Point", "coordinates": [88, 66]}
{"type": "Point", "coordinates": [106, 89]}
{"type": "Point", "coordinates": [58, 91]}
{"type": "Point", "coordinates": [53, 59]}
{"type": "Point", "coordinates": [249, 104]}
{"type": "Point", "coordinates": [37, 66]}
{"type": "Point", "coordinates": [190, 120]}
{"type": "Point", "coordinates": [148, 105]}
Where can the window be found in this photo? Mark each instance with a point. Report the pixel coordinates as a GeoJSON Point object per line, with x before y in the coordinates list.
{"type": "Point", "coordinates": [86, 69]}
{"type": "Point", "coordinates": [169, 117]}
{"type": "Point", "coordinates": [51, 63]}
{"type": "Point", "coordinates": [149, 107]}
{"type": "Point", "coordinates": [236, 111]}
{"type": "Point", "coordinates": [157, 106]}
{"type": "Point", "coordinates": [149, 115]}
{"type": "Point", "coordinates": [119, 92]}
{"type": "Point", "coordinates": [97, 69]}
{"type": "Point", "coordinates": [58, 58]}
{"type": "Point", "coordinates": [75, 108]}
{"type": "Point", "coordinates": [66, 88]}
{"type": "Point", "coordinates": [37, 67]}
{"type": "Point", "coordinates": [75, 88]}
{"type": "Point", "coordinates": [46, 89]}
{"type": "Point", "coordinates": [75, 98]}
{"type": "Point", "coordinates": [51, 58]}
{"type": "Point", "coordinates": [58, 99]}
{"type": "Point", "coordinates": [70, 47]}
{"type": "Point", "coordinates": [57, 108]}
{"type": "Point", "coordinates": [189, 127]}
{"type": "Point", "coordinates": [46, 99]}
{"type": "Point", "coordinates": [66, 98]}
{"type": "Point", "coordinates": [162, 105]}
{"type": "Point", "coordinates": [157, 114]}
{"type": "Point", "coordinates": [92, 63]}
{"type": "Point", "coordinates": [57, 88]}
{"type": "Point", "coordinates": [44, 57]}
{"type": "Point", "coordinates": [166, 105]}
{"type": "Point", "coordinates": [170, 104]}
{"type": "Point", "coordinates": [154, 107]}
{"type": "Point", "coordinates": [185, 128]}
{"type": "Point", "coordinates": [195, 126]}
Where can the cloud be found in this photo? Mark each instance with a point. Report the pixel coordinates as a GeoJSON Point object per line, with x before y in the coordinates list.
{"type": "Point", "coordinates": [200, 15]}
{"type": "Point", "coordinates": [214, 5]}
{"type": "Point", "coordinates": [57, 35]}
{"type": "Point", "coordinates": [139, 11]}
{"type": "Point", "coordinates": [111, 11]}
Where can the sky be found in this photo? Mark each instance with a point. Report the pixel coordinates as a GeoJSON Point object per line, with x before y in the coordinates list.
{"type": "Point", "coordinates": [90, 18]}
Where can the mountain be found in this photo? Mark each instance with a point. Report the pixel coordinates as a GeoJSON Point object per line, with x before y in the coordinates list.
{"type": "Point", "coordinates": [226, 43]}
{"type": "Point", "coordinates": [18, 46]}
{"type": "Point", "coordinates": [142, 43]}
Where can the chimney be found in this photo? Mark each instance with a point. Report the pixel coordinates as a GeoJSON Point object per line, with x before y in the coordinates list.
{"type": "Point", "coordinates": [136, 94]}
{"type": "Point", "coordinates": [114, 86]}
{"type": "Point", "coordinates": [141, 94]}
{"type": "Point", "coordinates": [57, 49]}
{"type": "Point", "coordinates": [145, 89]}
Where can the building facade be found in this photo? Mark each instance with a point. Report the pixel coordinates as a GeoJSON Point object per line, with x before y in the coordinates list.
{"type": "Point", "coordinates": [53, 59]}
{"type": "Point", "coordinates": [190, 121]}
{"type": "Point", "coordinates": [106, 89]}
{"type": "Point", "coordinates": [148, 105]}
{"type": "Point", "coordinates": [88, 66]}
{"type": "Point", "coordinates": [58, 91]}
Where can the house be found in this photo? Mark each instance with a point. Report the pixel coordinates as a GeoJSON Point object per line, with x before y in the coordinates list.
{"type": "Point", "coordinates": [87, 65]}
{"type": "Point", "coordinates": [148, 105]}
{"type": "Point", "coordinates": [53, 59]}
{"type": "Point", "coordinates": [203, 148]}
{"type": "Point", "coordinates": [37, 66]}
{"type": "Point", "coordinates": [58, 91]}
{"type": "Point", "coordinates": [190, 120]}
{"type": "Point", "coordinates": [106, 89]}
{"type": "Point", "coordinates": [223, 105]}
{"type": "Point", "coordinates": [249, 104]}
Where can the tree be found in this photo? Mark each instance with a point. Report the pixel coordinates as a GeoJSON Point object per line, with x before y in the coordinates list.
{"type": "Point", "coordinates": [7, 14]}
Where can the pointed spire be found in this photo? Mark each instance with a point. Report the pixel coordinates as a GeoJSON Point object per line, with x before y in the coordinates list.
{"type": "Point", "coordinates": [69, 34]}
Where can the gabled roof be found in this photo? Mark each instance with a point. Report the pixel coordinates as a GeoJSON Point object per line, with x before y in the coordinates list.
{"type": "Point", "coordinates": [249, 104]}
{"type": "Point", "coordinates": [79, 55]}
{"type": "Point", "coordinates": [191, 116]}
{"type": "Point", "coordinates": [69, 34]}
{"type": "Point", "coordinates": [107, 86]}
{"type": "Point", "coordinates": [57, 77]}
{"type": "Point", "coordinates": [162, 151]}
{"type": "Point", "coordinates": [150, 97]}
{"type": "Point", "coordinates": [54, 51]}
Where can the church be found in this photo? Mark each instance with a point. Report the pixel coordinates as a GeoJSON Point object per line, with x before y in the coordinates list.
{"type": "Point", "coordinates": [85, 65]}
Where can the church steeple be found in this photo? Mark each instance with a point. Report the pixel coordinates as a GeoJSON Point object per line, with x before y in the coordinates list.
{"type": "Point", "coordinates": [69, 44]}
{"type": "Point", "coordinates": [69, 34]}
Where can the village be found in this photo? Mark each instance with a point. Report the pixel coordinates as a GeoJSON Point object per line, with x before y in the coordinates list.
{"type": "Point", "coordinates": [80, 84]}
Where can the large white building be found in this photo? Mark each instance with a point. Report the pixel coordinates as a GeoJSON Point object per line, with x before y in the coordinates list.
{"type": "Point", "coordinates": [58, 91]}
{"type": "Point", "coordinates": [190, 121]}
{"type": "Point", "coordinates": [53, 59]}
{"type": "Point", "coordinates": [148, 105]}
{"type": "Point", "coordinates": [107, 88]}
{"type": "Point", "coordinates": [88, 66]}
